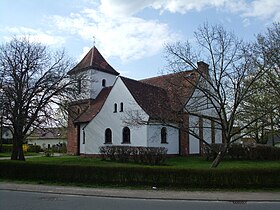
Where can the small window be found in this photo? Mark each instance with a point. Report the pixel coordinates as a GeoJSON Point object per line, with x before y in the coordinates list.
{"type": "Point", "coordinates": [108, 136]}
{"type": "Point", "coordinates": [115, 107]}
{"type": "Point", "coordinates": [121, 107]}
{"type": "Point", "coordinates": [104, 83]}
{"type": "Point", "coordinates": [126, 135]}
{"type": "Point", "coordinates": [163, 135]}
{"type": "Point", "coordinates": [79, 86]}
{"type": "Point", "coordinates": [84, 136]}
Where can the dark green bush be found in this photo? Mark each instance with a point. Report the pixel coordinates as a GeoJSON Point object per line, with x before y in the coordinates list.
{"type": "Point", "coordinates": [244, 151]}
{"type": "Point", "coordinates": [59, 148]}
{"type": "Point", "coordinates": [7, 148]}
{"type": "Point", "coordinates": [144, 155]}
{"type": "Point", "coordinates": [34, 148]}
{"type": "Point", "coordinates": [131, 176]}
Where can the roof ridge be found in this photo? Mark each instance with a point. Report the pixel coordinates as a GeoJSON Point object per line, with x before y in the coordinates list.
{"type": "Point", "coordinates": [166, 75]}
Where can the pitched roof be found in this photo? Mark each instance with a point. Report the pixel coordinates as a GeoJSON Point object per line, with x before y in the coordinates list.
{"type": "Point", "coordinates": [93, 60]}
{"type": "Point", "coordinates": [94, 107]}
{"type": "Point", "coordinates": [153, 100]}
{"type": "Point", "coordinates": [48, 133]}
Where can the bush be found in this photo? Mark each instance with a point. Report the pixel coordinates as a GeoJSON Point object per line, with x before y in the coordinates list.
{"type": "Point", "coordinates": [7, 148]}
{"type": "Point", "coordinates": [48, 152]}
{"type": "Point", "coordinates": [244, 151]}
{"type": "Point", "coordinates": [34, 148]}
{"type": "Point", "coordinates": [144, 155]}
{"type": "Point", "coordinates": [59, 148]}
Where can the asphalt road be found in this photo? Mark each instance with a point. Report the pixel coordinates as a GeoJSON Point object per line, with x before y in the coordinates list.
{"type": "Point", "coordinates": [20, 200]}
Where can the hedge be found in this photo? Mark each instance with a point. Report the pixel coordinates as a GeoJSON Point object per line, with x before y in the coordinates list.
{"type": "Point", "coordinates": [142, 176]}
{"type": "Point", "coordinates": [243, 151]}
{"type": "Point", "coordinates": [144, 155]}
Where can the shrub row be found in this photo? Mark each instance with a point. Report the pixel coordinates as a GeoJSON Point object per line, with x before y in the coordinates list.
{"type": "Point", "coordinates": [144, 155]}
{"type": "Point", "coordinates": [142, 176]}
{"type": "Point", "coordinates": [244, 151]}
{"type": "Point", "coordinates": [34, 148]}
{"type": "Point", "coordinates": [7, 148]}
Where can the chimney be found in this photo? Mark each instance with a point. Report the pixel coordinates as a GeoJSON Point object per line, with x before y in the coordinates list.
{"type": "Point", "coordinates": [202, 66]}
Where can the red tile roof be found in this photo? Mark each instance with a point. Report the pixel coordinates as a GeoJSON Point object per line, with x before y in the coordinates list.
{"type": "Point", "coordinates": [178, 86]}
{"type": "Point", "coordinates": [94, 106]}
{"type": "Point", "coordinates": [93, 60]}
{"type": "Point", "coordinates": [153, 100]}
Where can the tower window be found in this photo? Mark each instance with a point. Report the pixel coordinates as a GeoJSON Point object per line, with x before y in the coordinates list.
{"type": "Point", "coordinates": [126, 135]}
{"type": "Point", "coordinates": [115, 107]}
{"type": "Point", "coordinates": [163, 135]}
{"type": "Point", "coordinates": [108, 136]}
{"type": "Point", "coordinates": [121, 107]}
{"type": "Point", "coordinates": [104, 83]}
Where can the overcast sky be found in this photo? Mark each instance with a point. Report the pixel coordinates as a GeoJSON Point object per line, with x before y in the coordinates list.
{"type": "Point", "coordinates": [130, 33]}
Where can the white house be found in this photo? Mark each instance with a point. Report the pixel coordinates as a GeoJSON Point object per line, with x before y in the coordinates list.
{"type": "Point", "coordinates": [47, 137]}
{"type": "Point", "coordinates": [114, 110]}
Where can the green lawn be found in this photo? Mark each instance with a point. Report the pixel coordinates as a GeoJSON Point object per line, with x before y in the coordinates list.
{"type": "Point", "coordinates": [175, 162]}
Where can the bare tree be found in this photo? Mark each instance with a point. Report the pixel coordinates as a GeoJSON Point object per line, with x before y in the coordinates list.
{"type": "Point", "coordinates": [231, 66]}
{"type": "Point", "coordinates": [266, 98]}
{"type": "Point", "coordinates": [34, 81]}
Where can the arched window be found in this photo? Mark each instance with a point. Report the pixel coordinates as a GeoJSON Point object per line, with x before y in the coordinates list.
{"type": "Point", "coordinates": [163, 135]}
{"type": "Point", "coordinates": [104, 83]}
{"type": "Point", "coordinates": [115, 107]}
{"type": "Point", "coordinates": [84, 136]}
{"type": "Point", "coordinates": [121, 107]}
{"type": "Point", "coordinates": [126, 135]}
{"type": "Point", "coordinates": [108, 136]}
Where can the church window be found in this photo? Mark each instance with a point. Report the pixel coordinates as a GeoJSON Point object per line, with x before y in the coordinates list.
{"type": "Point", "coordinates": [108, 136]}
{"type": "Point", "coordinates": [115, 107]}
{"type": "Point", "coordinates": [121, 107]}
{"type": "Point", "coordinates": [126, 135]}
{"type": "Point", "coordinates": [163, 135]}
{"type": "Point", "coordinates": [84, 136]}
{"type": "Point", "coordinates": [104, 83]}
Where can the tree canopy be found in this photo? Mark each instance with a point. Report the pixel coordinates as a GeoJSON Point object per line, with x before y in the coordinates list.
{"type": "Point", "coordinates": [33, 79]}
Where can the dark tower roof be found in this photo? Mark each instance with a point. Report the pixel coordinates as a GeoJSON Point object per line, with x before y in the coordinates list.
{"type": "Point", "coordinates": [93, 60]}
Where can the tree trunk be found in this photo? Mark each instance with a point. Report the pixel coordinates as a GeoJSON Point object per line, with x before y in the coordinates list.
{"type": "Point", "coordinates": [219, 157]}
{"type": "Point", "coordinates": [17, 152]}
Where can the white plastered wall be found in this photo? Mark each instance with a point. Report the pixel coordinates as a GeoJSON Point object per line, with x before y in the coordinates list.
{"type": "Point", "coordinates": [154, 138]}
{"type": "Point", "coordinates": [106, 118]}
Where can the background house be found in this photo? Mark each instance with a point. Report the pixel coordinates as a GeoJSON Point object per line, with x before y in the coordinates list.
{"type": "Point", "coordinates": [48, 137]}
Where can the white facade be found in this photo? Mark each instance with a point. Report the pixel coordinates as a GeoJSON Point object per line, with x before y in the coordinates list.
{"type": "Point", "coordinates": [107, 118]}
{"type": "Point", "coordinates": [92, 82]}
{"type": "Point", "coordinates": [99, 80]}
{"type": "Point", "coordinates": [172, 138]}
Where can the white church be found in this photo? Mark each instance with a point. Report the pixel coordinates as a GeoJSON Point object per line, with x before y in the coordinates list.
{"type": "Point", "coordinates": [154, 112]}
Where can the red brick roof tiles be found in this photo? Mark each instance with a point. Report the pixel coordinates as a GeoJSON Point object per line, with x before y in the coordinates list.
{"type": "Point", "coordinates": [93, 60]}
{"type": "Point", "coordinates": [94, 106]}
